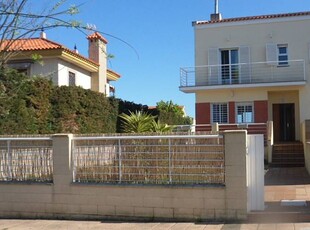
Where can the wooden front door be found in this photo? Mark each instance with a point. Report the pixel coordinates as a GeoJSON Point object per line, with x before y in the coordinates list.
{"type": "Point", "coordinates": [284, 122]}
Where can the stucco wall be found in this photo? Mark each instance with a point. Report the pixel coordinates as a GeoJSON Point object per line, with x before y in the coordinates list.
{"type": "Point", "coordinates": [58, 70]}
{"type": "Point", "coordinates": [82, 77]}
{"type": "Point", "coordinates": [305, 127]}
{"type": "Point", "coordinates": [48, 68]}
{"type": "Point", "coordinates": [65, 199]}
{"type": "Point", "coordinates": [255, 35]}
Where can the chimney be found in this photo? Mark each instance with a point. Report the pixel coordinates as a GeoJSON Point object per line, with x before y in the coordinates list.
{"type": "Point", "coordinates": [42, 34]}
{"type": "Point", "coordinates": [97, 51]}
{"type": "Point", "coordinates": [216, 16]}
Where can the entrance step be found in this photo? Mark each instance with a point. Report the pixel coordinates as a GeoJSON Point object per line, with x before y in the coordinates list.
{"type": "Point", "coordinates": [278, 217]}
{"type": "Point", "coordinates": [289, 154]}
{"type": "Point", "coordinates": [282, 212]}
{"type": "Point", "coordinates": [294, 203]}
{"type": "Point", "coordinates": [287, 165]}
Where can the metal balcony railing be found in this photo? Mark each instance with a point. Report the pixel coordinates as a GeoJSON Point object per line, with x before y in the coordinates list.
{"type": "Point", "coordinates": [243, 73]}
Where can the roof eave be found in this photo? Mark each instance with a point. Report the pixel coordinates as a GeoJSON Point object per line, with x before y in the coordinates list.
{"type": "Point", "coordinates": [81, 62]}
{"type": "Point", "coordinates": [112, 76]}
{"type": "Point", "coordinates": [250, 20]}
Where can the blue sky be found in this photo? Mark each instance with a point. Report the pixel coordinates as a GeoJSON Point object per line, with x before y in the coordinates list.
{"type": "Point", "coordinates": [161, 33]}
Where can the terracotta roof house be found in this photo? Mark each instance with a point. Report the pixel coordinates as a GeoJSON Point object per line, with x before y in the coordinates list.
{"type": "Point", "coordinates": [62, 65]}
{"type": "Point", "coordinates": [252, 72]}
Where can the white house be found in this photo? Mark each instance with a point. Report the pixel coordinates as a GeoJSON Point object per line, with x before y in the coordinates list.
{"type": "Point", "coordinates": [62, 65]}
{"type": "Point", "coordinates": [251, 70]}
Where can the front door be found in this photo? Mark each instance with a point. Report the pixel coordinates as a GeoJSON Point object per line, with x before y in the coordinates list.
{"type": "Point", "coordinates": [284, 122]}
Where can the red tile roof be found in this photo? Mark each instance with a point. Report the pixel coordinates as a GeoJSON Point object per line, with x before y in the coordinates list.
{"type": "Point", "coordinates": [37, 44]}
{"type": "Point", "coordinates": [260, 17]}
{"type": "Point", "coordinates": [97, 35]}
{"type": "Point", "coordinates": [29, 44]}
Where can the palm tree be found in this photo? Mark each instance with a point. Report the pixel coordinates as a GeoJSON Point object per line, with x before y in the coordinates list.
{"type": "Point", "coordinates": [138, 122]}
{"type": "Point", "coordinates": [160, 127]}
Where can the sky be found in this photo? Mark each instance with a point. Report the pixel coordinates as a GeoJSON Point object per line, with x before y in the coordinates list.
{"type": "Point", "coordinates": [162, 35]}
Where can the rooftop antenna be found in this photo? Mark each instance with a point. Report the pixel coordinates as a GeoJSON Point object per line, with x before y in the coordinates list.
{"type": "Point", "coordinates": [75, 49]}
{"type": "Point", "coordinates": [216, 7]}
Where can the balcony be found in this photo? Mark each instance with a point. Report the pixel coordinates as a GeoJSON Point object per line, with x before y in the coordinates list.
{"type": "Point", "coordinates": [255, 74]}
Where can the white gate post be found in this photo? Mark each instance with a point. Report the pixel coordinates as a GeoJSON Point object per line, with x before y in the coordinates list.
{"type": "Point", "coordinates": [255, 172]}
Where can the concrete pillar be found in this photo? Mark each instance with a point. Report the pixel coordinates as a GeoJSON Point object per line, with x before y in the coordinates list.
{"type": "Point", "coordinates": [235, 174]}
{"type": "Point", "coordinates": [305, 136]}
{"type": "Point", "coordinates": [269, 140]}
{"type": "Point", "coordinates": [215, 128]}
{"type": "Point", "coordinates": [62, 175]}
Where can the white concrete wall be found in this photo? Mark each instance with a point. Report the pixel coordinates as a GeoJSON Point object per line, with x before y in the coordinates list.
{"type": "Point", "coordinates": [58, 70]}
{"type": "Point", "coordinates": [48, 68]}
{"type": "Point", "coordinates": [256, 36]}
{"type": "Point", "coordinates": [64, 199]}
{"type": "Point", "coordinates": [82, 77]}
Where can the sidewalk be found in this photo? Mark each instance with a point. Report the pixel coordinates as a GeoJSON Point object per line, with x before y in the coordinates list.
{"type": "Point", "coordinates": [6, 224]}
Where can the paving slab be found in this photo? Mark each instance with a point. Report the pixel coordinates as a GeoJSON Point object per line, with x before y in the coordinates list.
{"type": "Point", "coordinates": [302, 226]}
{"type": "Point", "coordinates": [105, 225]}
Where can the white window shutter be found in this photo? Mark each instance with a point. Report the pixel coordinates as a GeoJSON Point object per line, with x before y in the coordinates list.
{"type": "Point", "coordinates": [245, 64]}
{"type": "Point", "coordinates": [213, 56]}
{"type": "Point", "coordinates": [244, 54]}
{"type": "Point", "coordinates": [213, 69]}
{"type": "Point", "coordinates": [271, 53]}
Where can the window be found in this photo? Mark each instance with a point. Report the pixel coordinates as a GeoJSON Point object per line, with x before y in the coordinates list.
{"type": "Point", "coordinates": [244, 112]}
{"type": "Point", "coordinates": [21, 67]}
{"type": "Point", "coordinates": [71, 79]}
{"type": "Point", "coordinates": [282, 55]}
{"type": "Point", "coordinates": [219, 113]}
{"type": "Point", "coordinates": [230, 66]}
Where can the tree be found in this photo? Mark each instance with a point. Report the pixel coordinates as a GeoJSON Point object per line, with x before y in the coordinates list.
{"type": "Point", "coordinates": [141, 122]}
{"type": "Point", "coordinates": [39, 107]}
{"type": "Point", "coordinates": [169, 106]}
{"type": "Point", "coordinates": [172, 114]}
{"type": "Point", "coordinates": [18, 19]}
{"type": "Point", "coordinates": [158, 127]}
{"type": "Point", "coordinates": [24, 103]}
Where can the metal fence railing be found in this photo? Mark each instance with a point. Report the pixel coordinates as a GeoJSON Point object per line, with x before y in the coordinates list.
{"type": "Point", "coordinates": [187, 159]}
{"type": "Point", "coordinates": [243, 73]}
{"type": "Point", "coordinates": [26, 159]}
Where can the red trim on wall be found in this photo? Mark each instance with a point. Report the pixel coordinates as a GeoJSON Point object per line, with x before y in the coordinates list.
{"type": "Point", "coordinates": [261, 111]}
{"type": "Point", "coordinates": [232, 112]}
{"type": "Point", "coordinates": [203, 113]}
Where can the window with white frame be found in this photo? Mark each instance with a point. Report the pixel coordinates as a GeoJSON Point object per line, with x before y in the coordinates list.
{"type": "Point", "coordinates": [244, 112]}
{"type": "Point", "coordinates": [71, 79]}
{"type": "Point", "coordinates": [282, 55]}
{"type": "Point", "coordinates": [219, 112]}
{"type": "Point", "coordinates": [230, 66]}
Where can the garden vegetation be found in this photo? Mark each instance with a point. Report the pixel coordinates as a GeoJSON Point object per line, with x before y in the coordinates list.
{"type": "Point", "coordinates": [33, 105]}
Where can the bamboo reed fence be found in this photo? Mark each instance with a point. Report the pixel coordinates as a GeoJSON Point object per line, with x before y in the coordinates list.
{"type": "Point", "coordinates": [173, 159]}
{"type": "Point", "coordinates": [27, 159]}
